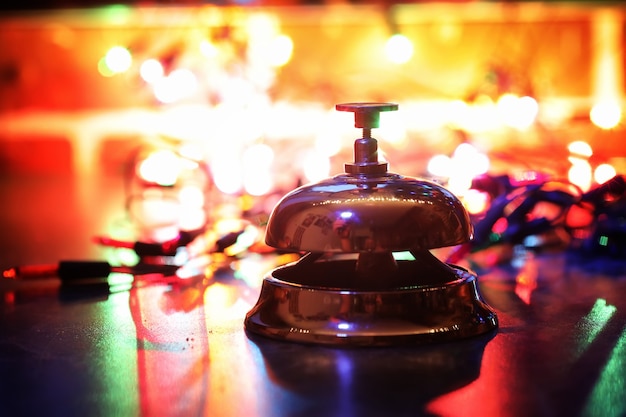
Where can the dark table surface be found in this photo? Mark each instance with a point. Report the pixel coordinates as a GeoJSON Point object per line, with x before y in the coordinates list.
{"type": "Point", "coordinates": [168, 350]}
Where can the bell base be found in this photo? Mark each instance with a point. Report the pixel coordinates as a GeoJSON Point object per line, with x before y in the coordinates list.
{"type": "Point", "coordinates": [375, 317]}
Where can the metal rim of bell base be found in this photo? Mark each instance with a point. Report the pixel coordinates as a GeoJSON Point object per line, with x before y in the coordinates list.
{"type": "Point", "coordinates": [332, 316]}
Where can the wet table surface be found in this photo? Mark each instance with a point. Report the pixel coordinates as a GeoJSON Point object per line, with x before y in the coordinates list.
{"type": "Point", "coordinates": [168, 350]}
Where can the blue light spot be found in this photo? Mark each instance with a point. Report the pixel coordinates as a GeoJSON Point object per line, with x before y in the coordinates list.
{"type": "Point", "coordinates": [343, 326]}
{"type": "Point", "coordinates": [346, 214]}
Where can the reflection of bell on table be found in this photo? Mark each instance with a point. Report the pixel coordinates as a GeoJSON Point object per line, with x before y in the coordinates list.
{"type": "Point", "coordinates": [368, 277]}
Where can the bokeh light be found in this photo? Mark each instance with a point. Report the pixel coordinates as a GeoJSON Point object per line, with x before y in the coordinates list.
{"type": "Point", "coordinates": [178, 85]}
{"type": "Point", "coordinates": [257, 162]}
{"type": "Point", "coordinates": [606, 115]}
{"type": "Point", "coordinates": [465, 164]}
{"type": "Point", "coordinates": [580, 149]}
{"type": "Point", "coordinates": [281, 50]}
{"type": "Point", "coordinates": [209, 49]}
{"type": "Point", "coordinates": [193, 215]}
{"type": "Point", "coordinates": [603, 173]}
{"type": "Point", "coordinates": [517, 112]}
{"type": "Point", "coordinates": [161, 167]}
{"type": "Point", "coordinates": [440, 165]}
{"type": "Point", "coordinates": [399, 49]}
{"type": "Point", "coordinates": [103, 69]}
{"type": "Point", "coordinates": [316, 166]}
{"type": "Point", "coordinates": [580, 174]}
{"type": "Point", "coordinates": [151, 71]}
{"type": "Point", "coordinates": [118, 59]}
{"type": "Point", "coordinates": [475, 201]}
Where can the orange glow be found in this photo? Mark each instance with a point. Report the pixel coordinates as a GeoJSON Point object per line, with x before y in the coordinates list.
{"type": "Point", "coordinates": [217, 298]}
{"type": "Point", "coordinates": [217, 73]}
{"type": "Point", "coordinates": [607, 68]}
{"type": "Point", "coordinates": [10, 273]}
{"type": "Point", "coordinates": [223, 307]}
{"type": "Point", "coordinates": [222, 303]}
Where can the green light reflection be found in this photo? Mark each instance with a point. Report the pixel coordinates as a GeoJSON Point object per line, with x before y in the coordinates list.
{"type": "Point", "coordinates": [593, 323]}
{"type": "Point", "coordinates": [115, 358]}
{"type": "Point", "coordinates": [607, 398]}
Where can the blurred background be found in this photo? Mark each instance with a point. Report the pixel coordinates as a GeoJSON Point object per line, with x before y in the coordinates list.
{"type": "Point", "coordinates": [188, 107]}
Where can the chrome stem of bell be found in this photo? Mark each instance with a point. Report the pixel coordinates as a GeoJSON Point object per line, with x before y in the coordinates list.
{"type": "Point", "coordinates": [353, 288]}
